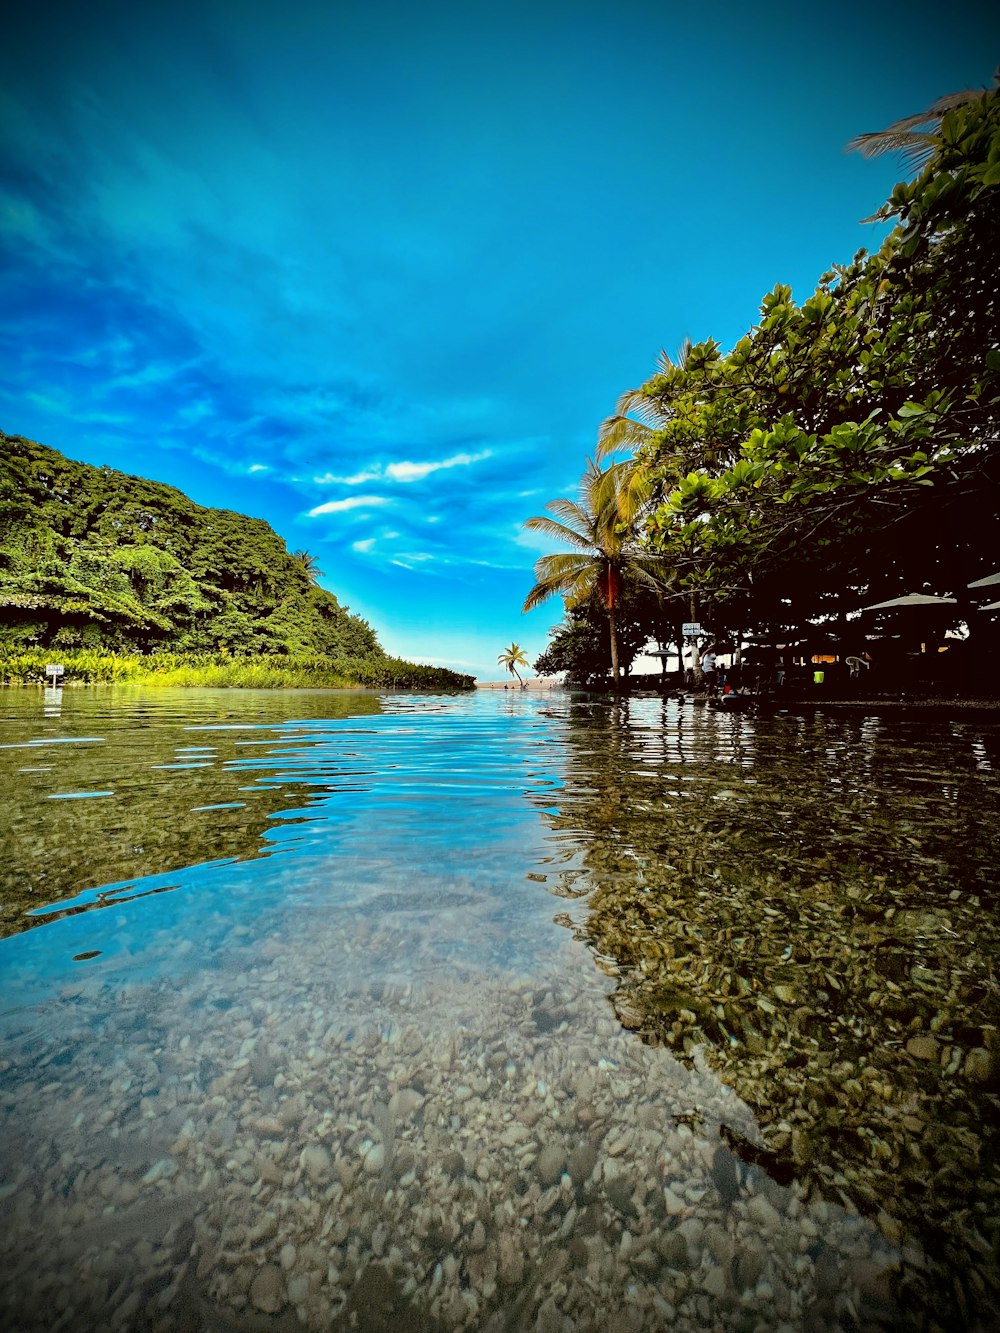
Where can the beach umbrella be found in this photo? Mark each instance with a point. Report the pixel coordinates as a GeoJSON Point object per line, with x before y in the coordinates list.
{"type": "Point", "coordinates": [991, 606]}
{"type": "Point", "coordinates": [912, 599]}
{"type": "Point", "coordinates": [990, 581]}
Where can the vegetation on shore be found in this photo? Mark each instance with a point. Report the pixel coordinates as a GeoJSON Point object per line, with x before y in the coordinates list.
{"type": "Point", "coordinates": [123, 579]}
{"type": "Point", "coordinates": [842, 453]}
{"type": "Point", "coordinates": [260, 672]}
{"type": "Point", "coordinates": [91, 558]}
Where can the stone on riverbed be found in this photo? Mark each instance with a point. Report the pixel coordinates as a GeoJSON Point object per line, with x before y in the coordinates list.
{"type": "Point", "coordinates": [923, 1048]}
{"type": "Point", "coordinates": [316, 1162]}
{"type": "Point", "coordinates": [267, 1291]}
{"type": "Point", "coordinates": [550, 1164]}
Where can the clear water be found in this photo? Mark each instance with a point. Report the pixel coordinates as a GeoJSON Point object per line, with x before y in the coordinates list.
{"type": "Point", "coordinates": [493, 1011]}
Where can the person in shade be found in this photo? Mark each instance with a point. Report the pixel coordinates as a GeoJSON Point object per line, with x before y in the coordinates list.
{"type": "Point", "coordinates": [708, 669]}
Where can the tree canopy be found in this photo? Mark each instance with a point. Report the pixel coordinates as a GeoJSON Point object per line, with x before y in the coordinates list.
{"type": "Point", "coordinates": [92, 558]}
{"type": "Point", "coordinates": [844, 451]}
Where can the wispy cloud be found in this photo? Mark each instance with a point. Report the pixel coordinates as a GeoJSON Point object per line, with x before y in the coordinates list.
{"type": "Point", "coordinates": [351, 502]}
{"type": "Point", "coordinates": [417, 471]}
{"type": "Point", "coordinates": [364, 545]}
{"type": "Point", "coordinates": [355, 479]}
{"type": "Point", "coordinates": [404, 471]}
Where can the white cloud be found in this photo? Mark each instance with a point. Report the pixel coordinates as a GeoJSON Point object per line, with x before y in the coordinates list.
{"type": "Point", "coordinates": [365, 545]}
{"type": "Point", "coordinates": [258, 467]}
{"type": "Point", "coordinates": [358, 478]}
{"type": "Point", "coordinates": [407, 472]}
{"type": "Point", "coordinates": [404, 471]}
{"type": "Point", "coordinates": [352, 502]}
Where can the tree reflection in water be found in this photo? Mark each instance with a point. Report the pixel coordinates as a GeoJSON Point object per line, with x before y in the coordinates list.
{"type": "Point", "coordinates": [808, 905]}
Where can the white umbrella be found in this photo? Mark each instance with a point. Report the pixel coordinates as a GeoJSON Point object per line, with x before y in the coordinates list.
{"type": "Point", "coordinates": [912, 599]}
{"type": "Point", "coordinates": [992, 606]}
{"type": "Point", "coordinates": [990, 581]}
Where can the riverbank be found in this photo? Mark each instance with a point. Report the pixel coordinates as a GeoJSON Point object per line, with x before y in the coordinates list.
{"type": "Point", "coordinates": [222, 671]}
{"type": "Point", "coordinates": [939, 705]}
{"type": "Point", "coordinates": [524, 685]}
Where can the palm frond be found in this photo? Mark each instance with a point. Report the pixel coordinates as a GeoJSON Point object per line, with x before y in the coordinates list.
{"type": "Point", "coordinates": [559, 531]}
{"type": "Point", "coordinates": [563, 565]}
{"type": "Point", "coordinates": [620, 432]}
{"type": "Point", "coordinates": [908, 135]}
{"type": "Point", "coordinates": [573, 514]}
{"type": "Point", "coordinates": [564, 574]}
{"type": "Point", "coordinates": [643, 405]}
{"type": "Point", "coordinates": [950, 101]}
{"type": "Point", "coordinates": [665, 363]}
{"type": "Point", "coordinates": [914, 143]}
{"type": "Point", "coordinates": [635, 493]}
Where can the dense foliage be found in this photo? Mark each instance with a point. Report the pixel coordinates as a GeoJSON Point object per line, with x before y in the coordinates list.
{"type": "Point", "coordinates": [845, 450]}
{"type": "Point", "coordinates": [97, 567]}
{"type": "Point", "coordinates": [91, 558]}
{"type": "Point", "coordinates": [843, 444]}
{"type": "Point", "coordinates": [580, 646]}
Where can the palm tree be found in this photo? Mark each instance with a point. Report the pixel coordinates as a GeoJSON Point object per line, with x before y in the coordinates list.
{"type": "Point", "coordinates": [512, 658]}
{"type": "Point", "coordinates": [603, 531]}
{"type": "Point", "coordinates": [309, 563]}
{"type": "Point", "coordinates": [916, 136]}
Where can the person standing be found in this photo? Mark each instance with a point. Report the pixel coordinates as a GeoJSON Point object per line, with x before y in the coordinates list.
{"type": "Point", "coordinates": [708, 669]}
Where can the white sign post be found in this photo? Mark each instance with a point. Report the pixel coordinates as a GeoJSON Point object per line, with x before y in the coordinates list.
{"type": "Point", "coordinates": [691, 629]}
{"type": "Point", "coordinates": [55, 671]}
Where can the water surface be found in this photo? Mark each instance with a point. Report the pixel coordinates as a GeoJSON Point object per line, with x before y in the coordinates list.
{"type": "Point", "coordinates": [331, 1010]}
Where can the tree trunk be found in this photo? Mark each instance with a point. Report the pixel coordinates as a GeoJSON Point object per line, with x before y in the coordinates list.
{"type": "Point", "coordinates": [614, 645]}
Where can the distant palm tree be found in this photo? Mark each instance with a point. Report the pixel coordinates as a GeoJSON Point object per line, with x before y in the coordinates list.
{"type": "Point", "coordinates": [309, 563]}
{"type": "Point", "coordinates": [603, 530]}
{"type": "Point", "coordinates": [916, 136]}
{"type": "Point", "coordinates": [512, 658]}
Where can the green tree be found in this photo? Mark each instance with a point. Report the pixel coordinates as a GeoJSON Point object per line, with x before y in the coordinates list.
{"type": "Point", "coordinates": [91, 555]}
{"type": "Point", "coordinates": [580, 645]}
{"type": "Point", "coordinates": [602, 528]}
{"type": "Point", "coordinates": [845, 445]}
{"type": "Point", "coordinates": [512, 658]}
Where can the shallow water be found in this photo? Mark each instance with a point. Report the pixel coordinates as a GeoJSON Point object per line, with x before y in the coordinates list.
{"type": "Point", "coordinates": [494, 1011]}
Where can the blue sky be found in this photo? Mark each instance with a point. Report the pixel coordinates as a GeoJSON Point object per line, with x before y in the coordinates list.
{"type": "Point", "coordinates": [375, 272]}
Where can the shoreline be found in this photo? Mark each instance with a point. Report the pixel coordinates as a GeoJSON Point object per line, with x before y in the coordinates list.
{"type": "Point", "coordinates": [774, 703]}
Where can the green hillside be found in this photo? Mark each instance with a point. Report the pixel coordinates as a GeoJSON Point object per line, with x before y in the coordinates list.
{"type": "Point", "coordinates": [93, 559]}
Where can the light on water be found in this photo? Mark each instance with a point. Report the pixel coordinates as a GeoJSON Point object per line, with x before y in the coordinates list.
{"type": "Point", "coordinates": [494, 1012]}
